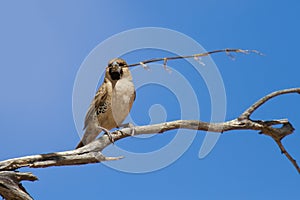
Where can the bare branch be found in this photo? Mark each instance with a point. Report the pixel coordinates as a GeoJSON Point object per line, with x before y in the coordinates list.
{"type": "Point", "coordinates": [73, 157]}
{"type": "Point", "coordinates": [91, 153]}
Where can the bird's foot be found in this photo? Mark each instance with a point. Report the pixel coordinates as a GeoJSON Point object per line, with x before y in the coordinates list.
{"type": "Point", "coordinates": [129, 125]}
{"type": "Point", "coordinates": [108, 133]}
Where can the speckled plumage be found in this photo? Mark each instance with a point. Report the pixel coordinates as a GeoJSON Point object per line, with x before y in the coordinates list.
{"type": "Point", "coordinates": [112, 102]}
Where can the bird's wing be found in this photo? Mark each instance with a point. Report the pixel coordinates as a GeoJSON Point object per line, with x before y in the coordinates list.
{"type": "Point", "coordinates": [133, 99]}
{"type": "Point", "coordinates": [98, 100]}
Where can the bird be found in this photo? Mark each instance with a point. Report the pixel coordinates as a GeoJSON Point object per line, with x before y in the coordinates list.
{"type": "Point", "coordinates": [112, 102]}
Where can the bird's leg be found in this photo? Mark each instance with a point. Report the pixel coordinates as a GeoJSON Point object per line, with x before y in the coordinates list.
{"type": "Point", "coordinates": [108, 133]}
{"type": "Point", "coordinates": [128, 125]}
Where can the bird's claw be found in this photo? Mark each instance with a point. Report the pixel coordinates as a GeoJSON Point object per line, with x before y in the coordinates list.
{"type": "Point", "coordinates": [110, 137]}
{"type": "Point", "coordinates": [108, 133]}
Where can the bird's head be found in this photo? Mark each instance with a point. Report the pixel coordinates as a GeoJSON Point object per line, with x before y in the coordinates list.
{"type": "Point", "coordinates": [117, 69]}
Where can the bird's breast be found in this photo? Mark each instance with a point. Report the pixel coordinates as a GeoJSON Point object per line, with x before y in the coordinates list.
{"type": "Point", "coordinates": [122, 99]}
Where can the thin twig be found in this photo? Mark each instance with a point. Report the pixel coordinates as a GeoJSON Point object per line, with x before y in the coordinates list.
{"type": "Point", "coordinates": [227, 51]}
{"type": "Point", "coordinates": [286, 153]}
{"type": "Point", "coordinates": [251, 109]}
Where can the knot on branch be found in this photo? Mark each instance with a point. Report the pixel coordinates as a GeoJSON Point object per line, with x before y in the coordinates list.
{"type": "Point", "coordinates": [274, 132]}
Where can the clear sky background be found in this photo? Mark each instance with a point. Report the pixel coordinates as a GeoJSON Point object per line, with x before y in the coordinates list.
{"type": "Point", "coordinates": [43, 43]}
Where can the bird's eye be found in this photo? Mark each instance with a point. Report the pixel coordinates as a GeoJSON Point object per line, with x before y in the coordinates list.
{"type": "Point", "coordinates": [121, 64]}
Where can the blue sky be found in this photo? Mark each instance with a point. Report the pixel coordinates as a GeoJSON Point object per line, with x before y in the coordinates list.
{"type": "Point", "coordinates": [43, 44]}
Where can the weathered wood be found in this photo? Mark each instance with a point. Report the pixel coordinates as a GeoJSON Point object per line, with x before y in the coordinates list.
{"type": "Point", "coordinates": [10, 186]}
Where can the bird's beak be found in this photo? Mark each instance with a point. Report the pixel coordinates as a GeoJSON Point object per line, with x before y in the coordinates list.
{"type": "Point", "coordinates": [116, 68]}
{"type": "Point", "coordinates": [115, 71]}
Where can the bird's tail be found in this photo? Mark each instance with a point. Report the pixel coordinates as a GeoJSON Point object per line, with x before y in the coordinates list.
{"type": "Point", "coordinates": [80, 144]}
{"type": "Point", "coordinates": [89, 135]}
